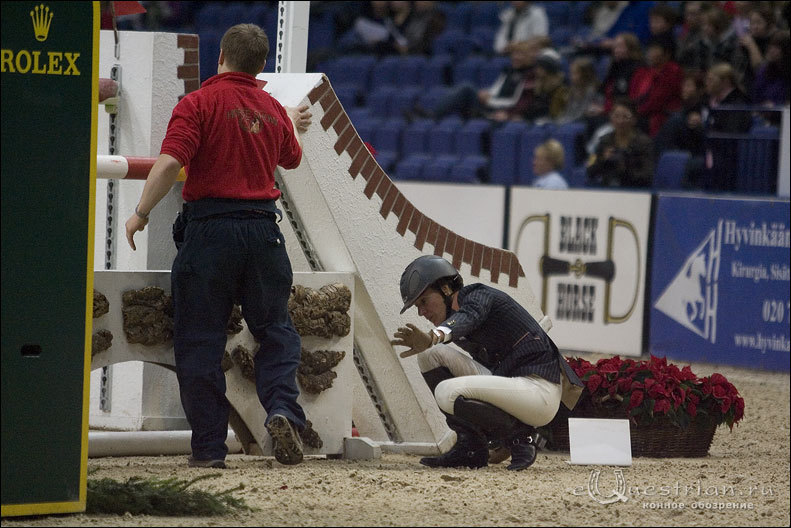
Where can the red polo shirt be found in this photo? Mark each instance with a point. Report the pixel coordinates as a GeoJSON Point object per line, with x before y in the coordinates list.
{"type": "Point", "coordinates": [230, 135]}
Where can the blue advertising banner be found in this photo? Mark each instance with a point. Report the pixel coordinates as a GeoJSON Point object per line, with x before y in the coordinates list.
{"type": "Point", "coordinates": [720, 281]}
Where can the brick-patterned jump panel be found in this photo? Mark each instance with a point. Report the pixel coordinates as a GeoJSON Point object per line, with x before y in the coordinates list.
{"type": "Point", "coordinates": [189, 72]}
{"type": "Point", "coordinates": [478, 256]}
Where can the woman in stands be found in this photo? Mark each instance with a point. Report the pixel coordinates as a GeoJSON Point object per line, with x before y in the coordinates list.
{"type": "Point", "coordinates": [625, 156]}
{"type": "Point", "coordinates": [584, 97]}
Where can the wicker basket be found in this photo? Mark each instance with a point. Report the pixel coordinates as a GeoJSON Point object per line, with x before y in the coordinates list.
{"type": "Point", "coordinates": [660, 439]}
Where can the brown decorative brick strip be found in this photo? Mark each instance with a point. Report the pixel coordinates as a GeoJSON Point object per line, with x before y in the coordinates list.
{"type": "Point", "coordinates": [358, 160]}
{"type": "Point", "coordinates": [189, 71]}
{"type": "Point", "coordinates": [427, 231]}
{"type": "Point", "coordinates": [373, 182]}
{"type": "Point", "coordinates": [331, 115]}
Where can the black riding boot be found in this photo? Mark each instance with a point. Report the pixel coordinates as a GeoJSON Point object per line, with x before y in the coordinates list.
{"type": "Point", "coordinates": [469, 451]}
{"type": "Point", "coordinates": [434, 376]}
{"type": "Point", "coordinates": [523, 441]}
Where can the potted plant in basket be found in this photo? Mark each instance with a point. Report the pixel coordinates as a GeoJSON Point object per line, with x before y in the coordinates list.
{"type": "Point", "coordinates": [672, 412]}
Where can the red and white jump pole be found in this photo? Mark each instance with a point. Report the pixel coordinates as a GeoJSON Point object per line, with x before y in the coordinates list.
{"type": "Point", "coordinates": [127, 168]}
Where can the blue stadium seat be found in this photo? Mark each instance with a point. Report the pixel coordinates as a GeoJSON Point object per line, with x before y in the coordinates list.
{"type": "Point", "coordinates": [471, 169]}
{"type": "Point", "coordinates": [578, 178]}
{"type": "Point", "coordinates": [414, 140]}
{"type": "Point", "coordinates": [472, 137]}
{"type": "Point", "coordinates": [442, 139]}
{"type": "Point", "coordinates": [209, 51]}
{"type": "Point", "coordinates": [354, 69]}
{"type": "Point", "coordinates": [379, 100]}
{"type": "Point", "coordinates": [561, 35]}
{"type": "Point", "coordinates": [358, 114]}
{"type": "Point", "coordinates": [571, 136]}
{"type": "Point", "coordinates": [366, 128]}
{"type": "Point", "coordinates": [531, 138]}
{"type": "Point", "coordinates": [411, 167]}
{"type": "Point", "coordinates": [485, 14]}
{"type": "Point", "coordinates": [384, 72]}
{"type": "Point", "coordinates": [458, 17]}
{"type": "Point", "coordinates": [505, 143]}
{"type": "Point", "coordinates": [386, 160]}
{"type": "Point", "coordinates": [208, 16]}
{"type": "Point", "coordinates": [491, 70]}
{"type": "Point", "coordinates": [440, 167]}
{"type": "Point", "coordinates": [437, 71]}
{"type": "Point", "coordinates": [322, 32]}
{"type": "Point", "coordinates": [259, 14]}
{"type": "Point", "coordinates": [403, 99]}
{"type": "Point", "coordinates": [454, 42]}
{"type": "Point", "coordinates": [410, 69]}
{"type": "Point", "coordinates": [429, 99]}
{"type": "Point", "coordinates": [670, 169]}
{"type": "Point", "coordinates": [758, 160]}
{"type": "Point", "coordinates": [557, 13]}
{"type": "Point", "coordinates": [468, 70]}
{"type": "Point", "coordinates": [232, 13]}
{"type": "Point", "coordinates": [576, 14]}
{"type": "Point", "coordinates": [484, 37]}
{"type": "Point", "coordinates": [387, 136]}
{"type": "Point", "coordinates": [347, 94]}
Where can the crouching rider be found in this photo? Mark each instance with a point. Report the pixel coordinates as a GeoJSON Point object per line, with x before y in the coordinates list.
{"type": "Point", "coordinates": [509, 379]}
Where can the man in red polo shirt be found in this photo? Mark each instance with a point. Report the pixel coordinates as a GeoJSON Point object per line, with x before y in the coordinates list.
{"type": "Point", "coordinates": [230, 135]}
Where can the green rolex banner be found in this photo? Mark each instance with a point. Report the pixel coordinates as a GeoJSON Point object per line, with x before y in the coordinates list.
{"type": "Point", "coordinates": [50, 57]}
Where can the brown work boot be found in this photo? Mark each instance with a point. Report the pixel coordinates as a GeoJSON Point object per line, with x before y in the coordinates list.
{"type": "Point", "coordinates": [286, 443]}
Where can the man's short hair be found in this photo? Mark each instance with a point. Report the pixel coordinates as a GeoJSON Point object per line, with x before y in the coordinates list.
{"type": "Point", "coordinates": [246, 48]}
{"type": "Point", "coordinates": [725, 72]}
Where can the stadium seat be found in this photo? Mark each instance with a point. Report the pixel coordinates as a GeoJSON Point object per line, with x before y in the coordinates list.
{"type": "Point", "coordinates": [259, 14]}
{"type": "Point", "coordinates": [384, 72]}
{"type": "Point", "coordinates": [571, 136]}
{"type": "Point", "coordinates": [403, 100]}
{"type": "Point", "coordinates": [578, 178]}
{"type": "Point", "coordinates": [505, 142]}
{"type": "Point", "coordinates": [431, 98]}
{"type": "Point", "coordinates": [468, 70]}
{"type": "Point", "coordinates": [557, 13]}
{"type": "Point", "coordinates": [322, 32]}
{"type": "Point", "coordinates": [472, 138]}
{"type": "Point", "coordinates": [208, 16]}
{"type": "Point", "coordinates": [387, 136]}
{"type": "Point", "coordinates": [440, 167]}
{"type": "Point", "coordinates": [366, 127]}
{"type": "Point", "coordinates": [491, 69]}
{"type": "Point", "coordinates": [354, 69]}
{"type": "Point", "coordinates": [414, 139]}
{"type": "Point", "coordinates": [471, 169]}
{"type": "Point", "coordinates": [347, 94]}
{"type": "Point", "coordinates": [485, 14]}
{"type": "Point", "coordinates": [386, 160]}
{"type": "Point", "coordinates": [232, 13]}
{"type": "Point", "coordinates": [758, 160]}
{"type": "Point", "coordinates": [561, 36]}
{"type": "Point", "coordinates": [379, 100]}
{"type": "Point", "coordinates": [576, 14]}
{"type": "Point", "coordinates": [437, 71]}
{"type": "Point", "coordinates": [411, 167]}
{"type": "Point", "coordinates": [357, 114]}
{"type": "Point", "coordinates": [484, 37]}
{"type": "Point", "coordinates": [209, 50]}
{"type": "Point", "coordinates": [454, 42]}
{"type": "Point", "coordinates": [670, 169]}
{"type": "Point", "coordinates": [530, 139]}
{"type": "Point", "coordinates": [458, 14]}
{"type": "Point", "coordinates": [410, 69]}
{"type": "Point", "coordinates": [442, 139]}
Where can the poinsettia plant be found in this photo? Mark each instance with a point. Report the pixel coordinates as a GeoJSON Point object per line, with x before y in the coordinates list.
{"type": "Point", "coordinates": [644, 390]}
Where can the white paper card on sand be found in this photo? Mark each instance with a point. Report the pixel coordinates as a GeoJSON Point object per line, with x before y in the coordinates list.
{"type": "Point", "coordinates": [600, 441]}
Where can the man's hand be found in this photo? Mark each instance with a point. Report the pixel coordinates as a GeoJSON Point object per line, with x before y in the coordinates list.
{"type": "Point", "coordinates": [133, 225]}
{"type": "Point", "coordinates": [300, 117]}
{"type": "Point", "coordinates": [414, 338]}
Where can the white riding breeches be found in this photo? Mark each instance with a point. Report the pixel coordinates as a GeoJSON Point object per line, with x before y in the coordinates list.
{"type": "Point", "coordinates": [531, 399]}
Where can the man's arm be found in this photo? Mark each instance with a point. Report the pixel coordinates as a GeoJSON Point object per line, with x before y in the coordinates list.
{"type": "Point", "coordinates": [161, 178]}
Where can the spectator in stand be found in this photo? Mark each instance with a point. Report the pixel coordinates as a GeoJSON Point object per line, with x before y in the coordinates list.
{"type": "Point", "coordinates": [683, 130]}
{"type": "Point", "coordinates": [662, 21]}
{"type": "Point", "coordinates": [551, 91]}
{"type": "Point", "coordinates": [510, 94]}
{"type": "Point", "coordinates": [601, 16]}
{"type": "Point", "coordinates": [691, 30]}
{"type": "Point", "coordinates": [520, 22]}
{"type": "Point", "coordinates": [721, 156]}
{"type": "Point", "coordinates": [771, 85]}
{"type": "Point", "coordinates": [657, 88]}
{"type": "Point", "coordinates": [379, 29]}
{"type": "Point", "coordinates": [584, 96]}
{"type": "Point", "coordinates": [421, 27]}
{"type": "Point", "coordinates": [625, 156]}
{"type": "Point", "coordinates": [548, 159]}
{"type": "Point", "coordinates": [761, 29]}
{"type": "Point", "coordinates": [740, 16]}
{"type": "Point", "coordinates": [719, 44]}
{"type": "Point", "coordinates": [627, 58]}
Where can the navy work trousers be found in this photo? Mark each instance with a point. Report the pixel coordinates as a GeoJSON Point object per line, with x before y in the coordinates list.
{"type": "Point", "coordinates": [226, 260]}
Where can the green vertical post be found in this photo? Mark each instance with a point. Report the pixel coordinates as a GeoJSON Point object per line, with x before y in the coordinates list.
{"type": "Point", "coordinates": [50, 57]}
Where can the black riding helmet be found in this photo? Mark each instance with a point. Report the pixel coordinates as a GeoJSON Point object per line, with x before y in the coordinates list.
{"type": "Point", "coordinates": [425, 271]}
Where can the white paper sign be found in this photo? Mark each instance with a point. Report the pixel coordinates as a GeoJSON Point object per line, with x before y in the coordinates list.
{"type": "Point", "coordinates": [600, 441]}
